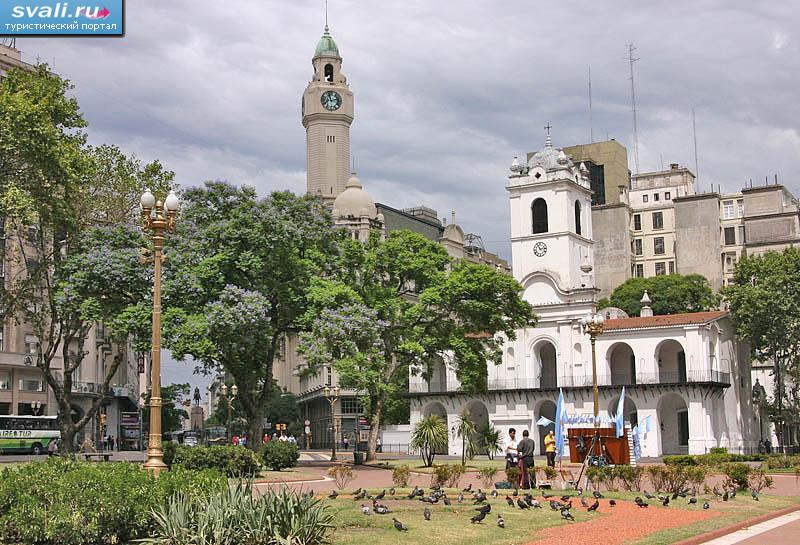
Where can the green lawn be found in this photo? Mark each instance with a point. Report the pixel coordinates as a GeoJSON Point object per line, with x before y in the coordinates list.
{"type": "Point", "coordinates": [287, 475]}
{"type": "Point", "coordinates": [415, 463]}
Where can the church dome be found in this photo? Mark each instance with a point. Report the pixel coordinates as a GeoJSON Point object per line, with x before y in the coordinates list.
{"type": "Point", "coordinates": [354, 201]}
{"type": "Point", "coordinates": [326, 47]}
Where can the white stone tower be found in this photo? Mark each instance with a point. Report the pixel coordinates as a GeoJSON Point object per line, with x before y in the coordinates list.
{"type": "Point", "coordinates": [327, 110]}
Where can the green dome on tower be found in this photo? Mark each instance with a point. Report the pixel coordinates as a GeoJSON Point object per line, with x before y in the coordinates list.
{"type": "Point", "coordinates": [326, 47]}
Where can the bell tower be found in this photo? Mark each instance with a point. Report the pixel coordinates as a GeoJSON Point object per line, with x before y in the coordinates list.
{"type": "Point", "coordinates": [327, 112]}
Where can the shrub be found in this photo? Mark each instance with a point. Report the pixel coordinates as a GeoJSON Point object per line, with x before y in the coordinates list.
{"type": "Point", "coordinates": [400, 475]}
{"type": "Point", "coordinates": [676, 478]}
{"type": "Point", "coordinates": [235, 517]}
{"type": "Point", "coordinates": [429, 437]}
{"type": "Point", "coordinates": [681, 460]}
{"type": "Point", "coordinates": [714, 459]}
{"type": "Point", "coordinates": [512, 475]}
{"type": "Point", "coordinates": [631, 477]}
{"type": "Point", "coordinates": [342, 474]}
{"type": "Point", "coordinates": [759, 480]}
{"type": "Point", "coordinates": [280, 454]}
{"type": "Point", "coordinates": [718, 450]}
{"type": "Point", "coordinates": [447, 475]}
{"type": "Point", "coordinates": [736, 475]}
{"type": "Point", "coordinates": [487, 475]}
{"type": "Point", "coordinates": [169, 452]}
{"type": "Point", "coordinates": [76, 503]}
{"type": "Point", "coordinates": [550, 473]}
{"type": "Point", "coordinates": [230, 460]}
{"type": "Point", "coordinates": [489, 437]}
{"type": "Point", "coordinates": [782, 462]}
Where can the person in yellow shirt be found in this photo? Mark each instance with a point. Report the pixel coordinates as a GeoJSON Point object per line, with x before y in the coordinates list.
{"type": "Point", "coordinates": [550, 448]}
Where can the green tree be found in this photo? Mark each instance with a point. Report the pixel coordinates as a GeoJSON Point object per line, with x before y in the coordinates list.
{"type": "Point", "coordinates": [764, 300]}
{"type": "Point", "coordinates": [237, 281]}
{"type": "Point", "coordinates": [466, 430]}
{"type": "Point", "coordinates": [671, 294]}
{"type": "Point", "coordinates": [281, 408]}
{"type": "Point", "coordinates": [429, 436]}
{"type": "Point", "coordinates": [391, 307]}
{"type": "Point", "coordinates": [64, 274]}
{"type": "Point", "coordinates": [489, 436]}
{"type": "Point", "coordinates": [173, 397]}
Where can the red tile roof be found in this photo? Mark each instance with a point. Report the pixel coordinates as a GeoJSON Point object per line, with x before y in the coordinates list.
{"type": "Point", "coordinates": [667, 320]}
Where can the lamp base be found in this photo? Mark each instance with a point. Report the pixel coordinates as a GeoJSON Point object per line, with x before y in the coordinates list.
{"type": "Point", "coordinates": [155, 462]}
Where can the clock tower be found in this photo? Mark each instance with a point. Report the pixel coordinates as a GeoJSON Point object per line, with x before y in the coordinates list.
{"type": "Point", "coordinates": [551, 230]}
{"type": "Point", "coordinates": [327, 110]}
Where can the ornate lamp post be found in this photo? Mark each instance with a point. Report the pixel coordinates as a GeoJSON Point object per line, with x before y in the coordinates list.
{"type": "Point", "coordinates": [332, 394]}
{"type": "Point", "coordinates": [229, 400]}
{"type": "Point", "coordinates": [593, 325]}
{"type": "Point", "coordinates": [158, 218]}
{"type": "Point", "coordinates": [36, 408]}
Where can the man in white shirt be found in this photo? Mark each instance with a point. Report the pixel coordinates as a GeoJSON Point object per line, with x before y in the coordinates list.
{"type": "Point", "coordinates": [511, 449]}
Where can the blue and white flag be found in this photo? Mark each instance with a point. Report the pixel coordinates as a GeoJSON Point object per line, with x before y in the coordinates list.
{"type": "Point", "coordinates": [619, 418]}
{"type": "Point", "coordinates": [561, 419]}
{"type": "Point", "coordinates": [544, 421]}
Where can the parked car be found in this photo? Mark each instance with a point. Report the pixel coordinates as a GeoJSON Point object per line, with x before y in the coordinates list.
{"type": "Point", "coordinates": [190, 441]}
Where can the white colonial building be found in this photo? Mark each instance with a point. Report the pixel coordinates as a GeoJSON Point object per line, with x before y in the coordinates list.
{"type": "Point", "coordinates": [687, 372]}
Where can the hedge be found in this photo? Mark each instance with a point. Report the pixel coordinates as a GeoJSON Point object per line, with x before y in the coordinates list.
{"type": "Point", "coordinates": [231, 460]}
{"type": "Point", "coordinates": [66, 502]}
{"type": "Point", "coordinates": [279, 454]}
{"type": "Point", "coordinates": [715, 459]}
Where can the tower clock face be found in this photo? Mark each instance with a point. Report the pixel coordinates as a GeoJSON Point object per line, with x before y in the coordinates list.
{"type": "Point", "coordinates": [331, 100]}
{"type": "Point", "coordinates": [539, 249]}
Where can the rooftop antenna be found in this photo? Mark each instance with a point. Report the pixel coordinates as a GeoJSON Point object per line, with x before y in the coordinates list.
{"type": "Point", "coordinates": [548, 142]}
{"type": "Point", "coordinates": [591, 126]}
{"type": "Point", "coordinates": [326, 14]}
{"type": "Point", "coordinates": [632, 60]}
{"type": "Point", "coordinates": [696, 163]}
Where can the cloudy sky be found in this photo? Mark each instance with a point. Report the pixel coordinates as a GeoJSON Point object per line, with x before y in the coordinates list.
{"type": "Point", "coordinates": [445, 92]}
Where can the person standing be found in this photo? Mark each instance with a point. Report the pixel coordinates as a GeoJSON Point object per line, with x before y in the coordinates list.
{"type": "Point", "coordinates": [526, 449]}
{"type": "Point", "coordinates": [511, 449]}
{"type": "Point", "coordinates": [345, 442]}
{"type": "Point", "coordinates": [550, 448]}
{"type": "Point", "coordinates": [378, 444]}
{"type": "Point", "coordinates": [235, 440]}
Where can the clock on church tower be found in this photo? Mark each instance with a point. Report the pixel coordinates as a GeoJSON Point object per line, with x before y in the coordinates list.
{"type": "Point", "coordinates": [327, 112]}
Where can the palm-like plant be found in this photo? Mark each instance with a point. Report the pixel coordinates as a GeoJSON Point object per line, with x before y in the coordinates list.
{"type": "Point", "coordinates": [490, 437]}
{"type": "Point", "coordinates": [466, 430]}
{"type": "Point", "coordinates": [429, 436]}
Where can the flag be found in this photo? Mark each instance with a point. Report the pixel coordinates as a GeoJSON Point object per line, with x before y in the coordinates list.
{"type": "Point", "coordinates": [561, 418]}
{"type": "Point", "coordinates": [544, 421]}
{"type": "Point", "coordinates": [619, 419]}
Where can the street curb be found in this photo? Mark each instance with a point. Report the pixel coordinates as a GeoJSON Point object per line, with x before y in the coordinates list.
{"type": "Point", "coordinates": [719, 532]}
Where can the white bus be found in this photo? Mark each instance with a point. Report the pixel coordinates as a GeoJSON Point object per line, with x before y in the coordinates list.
{"type": "Point", "coordinates": [27, 434]}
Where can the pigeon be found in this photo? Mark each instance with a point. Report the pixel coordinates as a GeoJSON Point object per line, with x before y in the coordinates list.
{"type": "Point", "coordinates": [478, 517]}
{"type": "Point", "coordinates": [460, 497]}
{"type": "Point", "coordinates": [365, 509]}
{"type": "Point", "coordinates": [522, 505]}
{"type": "Point", "coordinates": [426, 499]}
{"type": "Point", "coordinates": [412, 494]}
{"type": "Point", "coordinates": [554, 505]}
{"type": "Point", "coordinates": [446, 500]}
{"type": "Point", "coordinates": [485, 508]}
{"type": "Point", "coordinates": [584, 503]}
{"type": "Point", "coordinates": [545, 495]}
{"type": "Point", "coordinates": [661, 498]}
{"type": "Point", "coordinates": [468, 488]}
{"type": "Point", "coordinates": [357, 492]}
{"type": "Point", "coordinates": [715, 491]}
{"type": "Point", "coordinates": [754, 494]}
{"type": "Point", "coordinates": [436, 487]}
{"type": "Point", "coordinates": [565, 497]}
{"type": "Point", "coordinates": [637, 500]}
{"type": "Point", "coordinates": [565, 514]}
{"type": "Point", "coordinates": [528, 499]}
{"type": "Point", "coordinates": [427, 514]}
{"type": "Point", "coordinates": [333, 495]}
{"type": "Point", "coordinates": [693, 493]}
{"type": "Point", "coordinates": [391, 491]}
{"type": "Point", "coordinates": [500, 521]}
{"type": "Point", "coordinates": [643, 504]}
{"type": "Point", "coordinates": [595, 505]}
{"type": "Point", "coordinates": [494, 494]}
{"type": "Point", "coordinates": [612, 503]}
{"type": "Point", "coordinates": [399, 526]}
{"type": "Point", "coordinates": [733, 493]}
{"type": "Point", "coordinates": [675, 496]}
{"type": "Point", "coordinates": [381, 509]}
{"type": "Point", "coordinates": [705, 505]}
{"type": "Point", "coordinates": [725, 496]}
{"type": "Point", "coordinates": [597, 495]}
{"type": "Point", "coordinates": [648, 495]}
{"type": "Point", "coordinates": [381, 495]}
{"type": "Point", "coordinates": [665, 503]}
{"type": "Point", "coordinates": [692, 501]}
{"type": "Point", "coordinates": [480, 497]}
{"type": "Point", "coordinates": [536, 505]}
{"type": "Point", "coordinates": [509, 501]}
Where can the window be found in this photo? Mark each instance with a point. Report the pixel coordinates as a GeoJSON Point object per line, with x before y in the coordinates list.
{"type": "Point", "coordinates": [727, 209]}
{"type": "Point", "coordinates": [638, 271]}
{"type": "Point", "coordinates": [740, 207]}
{"type": "Point", "coordinates": [667, 195]}
{"type": "Point", "coordinates": [637, 222]}
{"type": "Point", "coordinates": [658, 220]}
{"type": "Point", "coordinates": [644, 198]}
{"type": "Point", "coordinates": [329, 73]}
{"type": "Point", "coordinates": [730, 236]}
{"type": "Point", "coordinates": [658, 245]}
{"type": "Point", "coordinates": [1, 335]}
{"type": "Point", "coordinates": [539, 216]}
{"type": "Point", "coordinates": [31, 385]}
{"type": "Point", "coordinates": [328, 375]}
{"type": "Point", "coordinates": [671, 267]}
{"type": "Point", "coordinates": [655, 196]}
{"type": "Point", "coordinates": [350, 405]}
{"type": "Point", "coordinates": [331, 139]}
{"type": "Point", "coordinates": [5, 380]}
{"type": "Point", "coordinates": [742, 238]}
{"type": "Point", "coordinates": [577, 218]}
{"type": "Point", "coordinates": [5, 408]}
{"type": "Point", "coordinates": [31, 345]}
{"type": "Point", "coordinates": [660, 269]}
{"type": "Point", "coordinates": [637, 246]}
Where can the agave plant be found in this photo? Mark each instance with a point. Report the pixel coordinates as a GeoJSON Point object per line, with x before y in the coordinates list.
{"type": "Point", "coordinates": [429, 436]}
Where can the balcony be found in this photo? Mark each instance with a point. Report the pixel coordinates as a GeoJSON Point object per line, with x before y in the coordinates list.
{"type": "Point", "coordinates": [641, 380]}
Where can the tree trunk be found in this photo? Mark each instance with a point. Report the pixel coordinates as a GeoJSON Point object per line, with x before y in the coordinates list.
{"type": "Point", "coordinates": [375, 424]}
{"type": "Point", "coordinates": [68, 431]}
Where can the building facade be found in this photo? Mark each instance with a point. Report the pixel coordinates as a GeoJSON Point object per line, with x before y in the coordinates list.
{"type": "Point", "coordinates": [688, 375]}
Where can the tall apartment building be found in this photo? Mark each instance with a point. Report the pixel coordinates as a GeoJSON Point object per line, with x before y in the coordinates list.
{"type": "Point", "coordinates": [608, 169]}
{"type": "Point", "coordinates": [23, 390]}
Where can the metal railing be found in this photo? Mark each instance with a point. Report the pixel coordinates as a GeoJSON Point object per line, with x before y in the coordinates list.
{"type": "Point", "coordinates": [571, 381]}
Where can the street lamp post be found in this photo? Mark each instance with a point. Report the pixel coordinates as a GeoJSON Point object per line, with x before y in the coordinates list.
{"type": "Point", "coordinates": [229, 400]}
{"type": "Point", "coordinates": [593, 325]}
{"type": "Point", "coordinates": [332, 394]}
{"type": "Point", "coordinates": [158, 218]}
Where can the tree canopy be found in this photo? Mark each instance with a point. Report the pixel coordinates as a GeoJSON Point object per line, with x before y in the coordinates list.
{"type": "Point", "coordinates": [392, 307]}
{"type": "Point", "coordinates": [671, 294]}
{"type": "Point", "coordinates": [764, 300]}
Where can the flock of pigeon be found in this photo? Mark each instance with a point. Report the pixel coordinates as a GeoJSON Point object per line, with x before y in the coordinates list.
{"type": "Point", "coordinates": [479, 498]}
